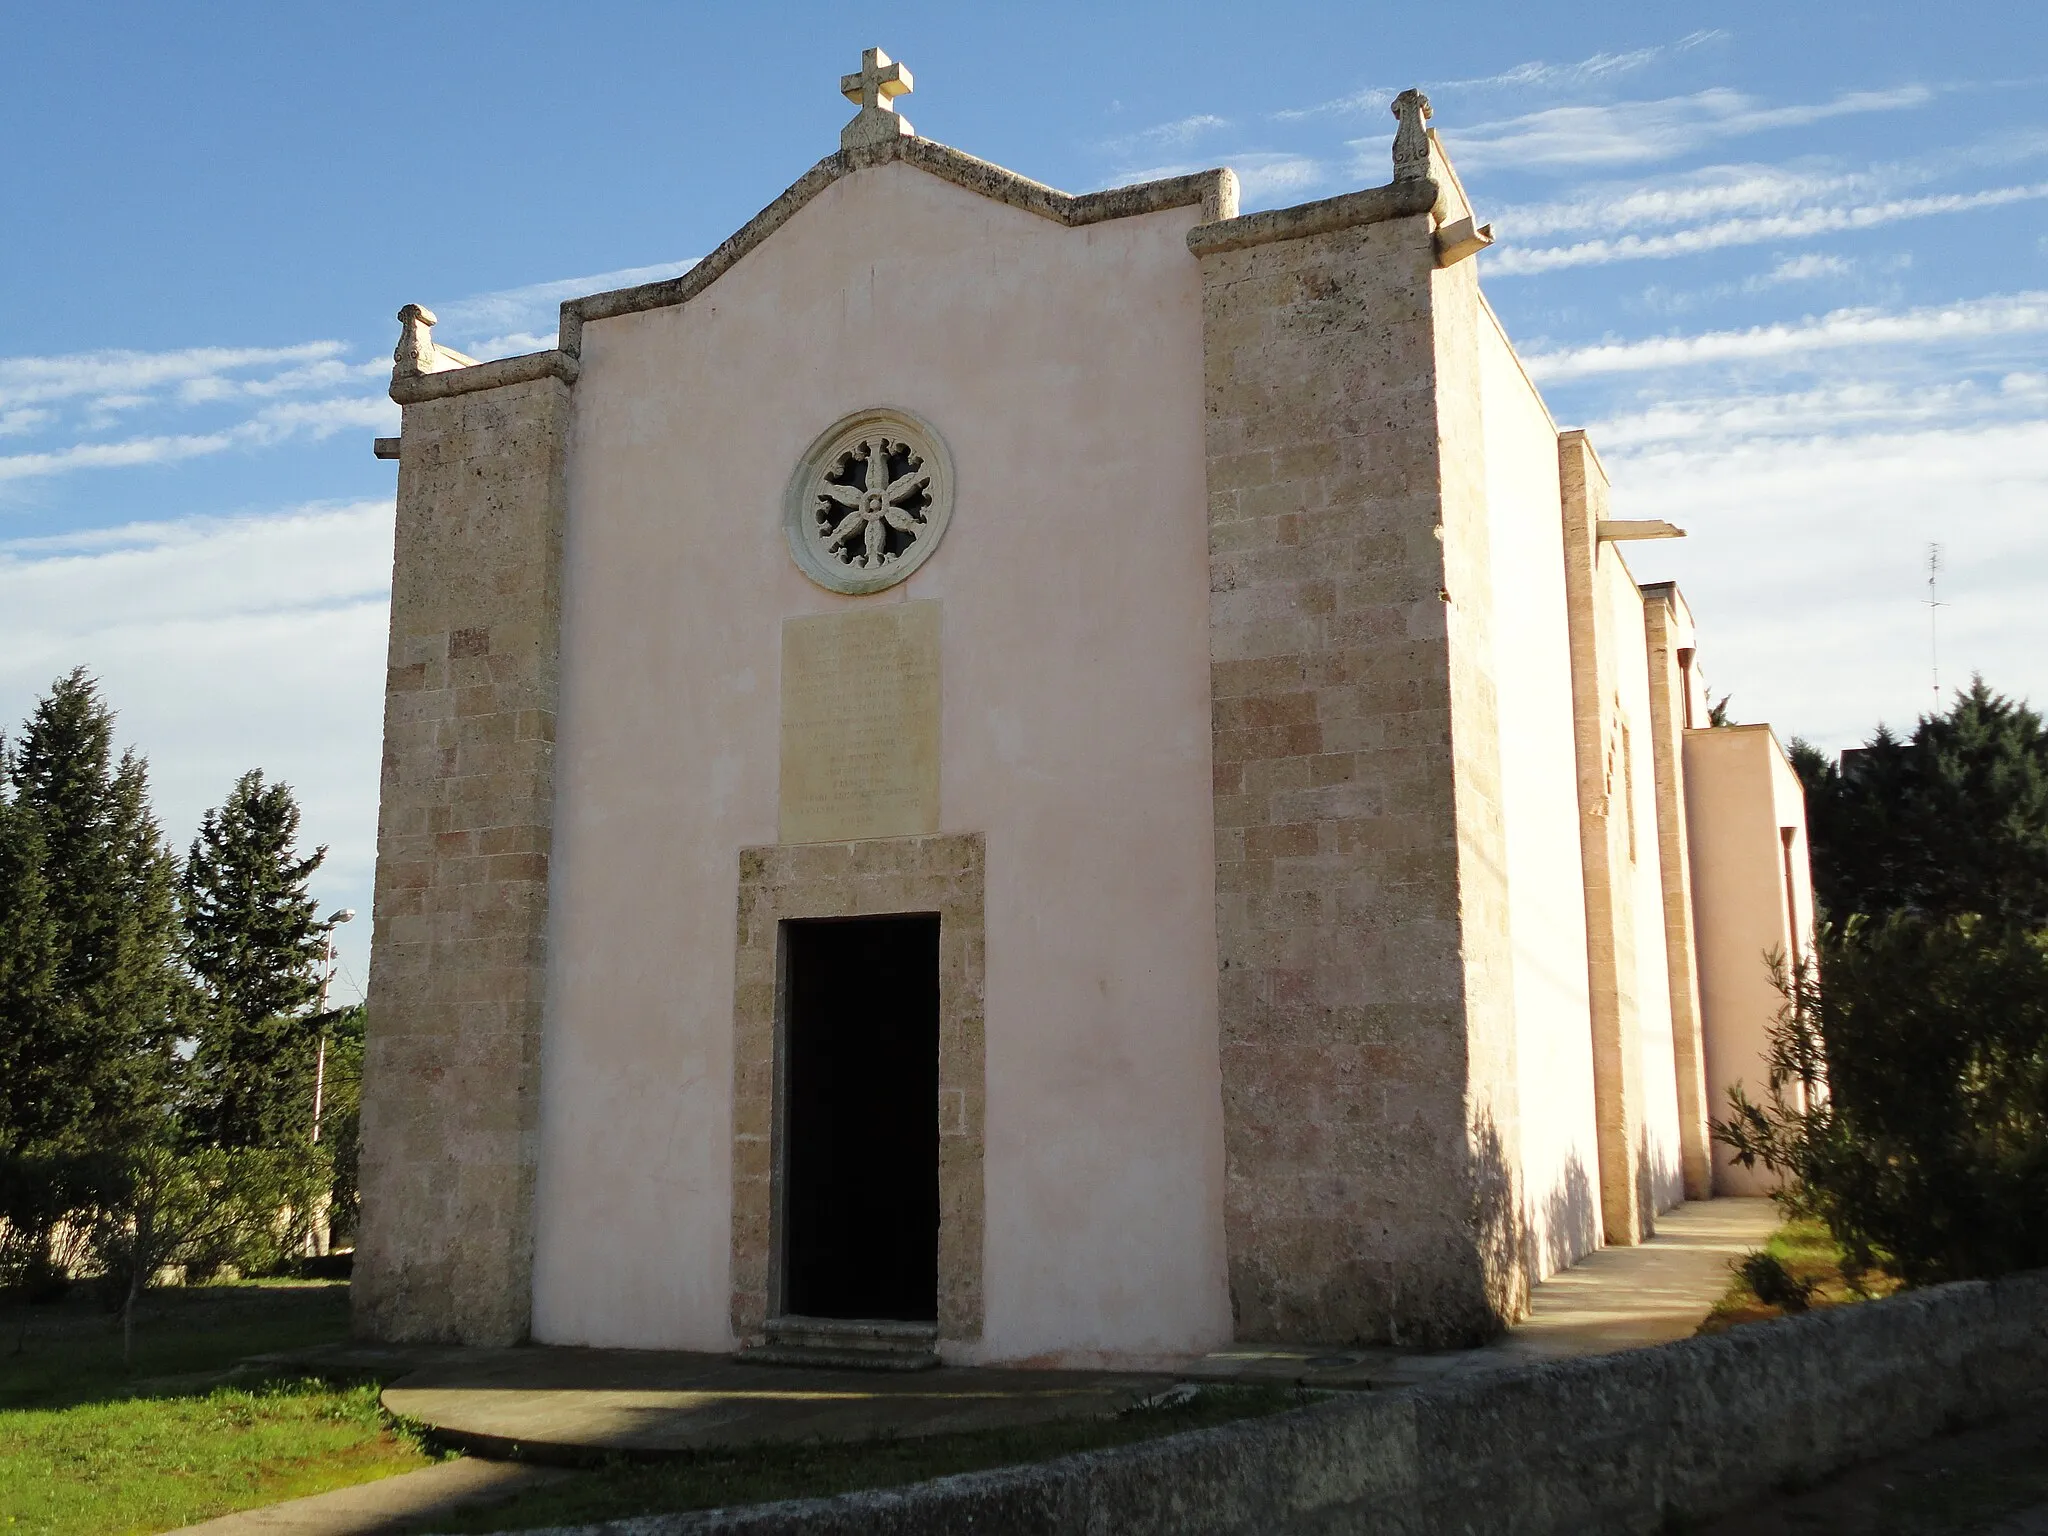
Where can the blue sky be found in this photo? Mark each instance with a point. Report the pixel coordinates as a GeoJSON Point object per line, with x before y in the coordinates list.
{"type": "Point", "coordinates": [1788, 263]}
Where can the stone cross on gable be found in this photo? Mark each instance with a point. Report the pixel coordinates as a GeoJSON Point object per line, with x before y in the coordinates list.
{"type": "Point", "coordinates": [880, 81]}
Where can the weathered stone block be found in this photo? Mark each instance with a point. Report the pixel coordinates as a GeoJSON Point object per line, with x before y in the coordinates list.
{"type": "Point", "coordinates": [451, 1079]}
{"type": "Point", "coordinates": [1348, 708]}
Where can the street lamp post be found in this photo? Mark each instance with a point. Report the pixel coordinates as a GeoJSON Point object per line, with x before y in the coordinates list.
{"type": "Point", "coordinates": [334, 920]}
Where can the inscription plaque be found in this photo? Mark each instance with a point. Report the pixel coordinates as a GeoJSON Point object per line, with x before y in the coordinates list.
{"type": "Point", "coordinates": [860, 724]}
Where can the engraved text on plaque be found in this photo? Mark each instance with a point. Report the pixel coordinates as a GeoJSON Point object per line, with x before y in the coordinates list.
{"type": "Point", "coordinates": [860, 723]}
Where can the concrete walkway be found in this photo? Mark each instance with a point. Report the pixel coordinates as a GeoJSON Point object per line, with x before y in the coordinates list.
{"type": "Point", "coordinates": [574, 1404]}
{"type": "Point", "coordinates": [581, 1404]}
{"type": "Point", "coordinates": [1614, 1298]}
{"type": "Point", "coordinates": [390, 1504]}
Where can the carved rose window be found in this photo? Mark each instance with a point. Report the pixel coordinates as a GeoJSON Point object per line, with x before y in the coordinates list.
{"type": "Point", "coordinates": [869, 501]}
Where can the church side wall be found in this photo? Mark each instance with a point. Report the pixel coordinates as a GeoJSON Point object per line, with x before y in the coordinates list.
{"type": "Point", "coordinates": [1064, 368]}
{"type": "Point", "coordinates": [1539, 800]}
{"type": "Point", "coordinates": [1600, 589]}
{"type": "Point", "coordinates": [1493, 1107]}
{"type": "Point", "coordinates": [1740, 794]}
{"type": "Point", "coordinates": [1659, 1154]}
{"type": "Point", "coordinates": [1670, 629]}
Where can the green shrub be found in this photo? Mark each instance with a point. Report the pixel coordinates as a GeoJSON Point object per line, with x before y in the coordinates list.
{"type": "Point", "coordinates": [1774, 1284]}
{"type": "Point", "coordinates": [1907, 1095]}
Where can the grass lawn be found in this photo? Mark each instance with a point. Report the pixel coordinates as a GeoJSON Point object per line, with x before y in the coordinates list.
{"type": "Point", "coordinates": [90, 1448]}
{"type": "Point", "coordinates": [1809, 1252]}
{"type": "Point", "coordinates": [706, 1479]}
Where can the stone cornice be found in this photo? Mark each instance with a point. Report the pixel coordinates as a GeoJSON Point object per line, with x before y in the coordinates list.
{"type": "Point", "coordinates": [418, 388]}
{"type": "Point", "coordinates": [1375, 205]}
{"type": "Point", "coordinates": [1214, 192]}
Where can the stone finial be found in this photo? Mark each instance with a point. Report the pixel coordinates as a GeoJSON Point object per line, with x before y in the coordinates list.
{"type": "Point", "coordinates": [415, 350]}
{"type": "Point", "coordinates": [1411, 139]}
{"type": "Point", "coordinates": [880, 81]}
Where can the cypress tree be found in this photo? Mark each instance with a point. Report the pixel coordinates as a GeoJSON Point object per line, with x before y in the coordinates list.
{"type": "Point", "coordinates": [1908, 1083]}
{"type": "Point", "coordinates": [31, 1082]}
{"type": "Point", "coordinates": [91, 995]}
{"type": "Point", "coordinates": [1952, 819]}
{"type": "Point", "coordinates": [90, 990]}
{"type": "Point", "coordinates": [254, 942]}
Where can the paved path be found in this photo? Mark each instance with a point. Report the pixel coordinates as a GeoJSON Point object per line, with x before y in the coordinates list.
{"type": "Point", "coordinates": [567, 1404]}
{"type": "Point", "coordinates": [576, 1403]}
{"type": "Point", "coordinates": [1614, 1298]}
{"type": "Point", "coordinates": [389, 1505]}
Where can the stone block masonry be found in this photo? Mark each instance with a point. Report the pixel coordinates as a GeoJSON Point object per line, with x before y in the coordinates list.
{"type": "Point", "coordinates": [941, 874]}
{"type": "Point", "coordinates": [1367, 1058]}
{"type": "Point", "coordinates": [451, 1081]}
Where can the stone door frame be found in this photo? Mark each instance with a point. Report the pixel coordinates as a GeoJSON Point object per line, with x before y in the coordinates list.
{"type": "Point", "coordinates": [941, 873]}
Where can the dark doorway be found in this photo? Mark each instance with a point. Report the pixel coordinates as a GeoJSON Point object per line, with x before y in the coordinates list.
{"type": "Point", "coordinates": [861, 1119]}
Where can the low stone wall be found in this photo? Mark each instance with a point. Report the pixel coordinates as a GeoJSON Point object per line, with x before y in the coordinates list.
{"type": "Point", "coordinates": [1624, 1442]}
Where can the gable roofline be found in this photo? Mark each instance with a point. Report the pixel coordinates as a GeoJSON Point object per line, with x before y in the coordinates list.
{"type": "Point", "coordinates": [1214, 192]}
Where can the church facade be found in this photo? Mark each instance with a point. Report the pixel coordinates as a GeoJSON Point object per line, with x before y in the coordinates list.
{"type": "Point", "coordinates": [1056, 778]}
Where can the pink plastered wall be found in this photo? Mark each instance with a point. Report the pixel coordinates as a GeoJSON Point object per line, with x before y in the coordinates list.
{"type": "Point", "coordinates": [1742, 797]}
{"type": "Point", "coordinates": [1660, 1151]}
{"type": "Point", "coordinates": [1539, 806]}
{"type": "Point", "coordinates": [1064, 368]}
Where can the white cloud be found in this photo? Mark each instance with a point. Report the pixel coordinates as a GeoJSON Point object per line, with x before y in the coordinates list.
{"type": "Point", "coordinates": [1803, 269]}
{"type": "Point", "coordinates": [1177, 134]}
{"type": "Point", "coordinates": [1639, 132]}
{"type": "Point", "coordinates": [327, 373]}
{"type": "Point", "coordinates": [513, 344]}
{"type": "Point", "coordinates": [131, 451]}
{"type": "Point", "coordinates": [1534, 74]}
{"type": "Point", "coordinates": [23, 419]}
{"type": "Point", "coordinates": [1711, 191]}
{"type": "Point", "coordinates": [1998, 315]}
{"type": "Point", "coordinates": [320, 419]}
{"type": "Point", "coordinates": [315, 419]}
{"type": "Point", "coordinates": [1367, 101]}
{"type": "Point", "coordinates": [1264, 175]}
{"type": "Point", "coordinates": [1599, 66]}
{"type": "Point", "coordinates": [1803, 224]}
{"type": "Point", "coordinates": [120, 378]}
{"type": "Point", "coordinates": [528, 314]}
{"type": "Point", "coordinates": [1832, 409]}
{"type": "Point", "coordinates": [1260, 174]}
{"type": "Point", "coordinates": [1804, 566]}
{"type": "Point", "coordinates": [225, 644]}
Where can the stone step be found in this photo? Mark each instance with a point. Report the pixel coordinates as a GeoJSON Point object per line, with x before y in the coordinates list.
{"type": "Point", "coordinates": [846, 1344]}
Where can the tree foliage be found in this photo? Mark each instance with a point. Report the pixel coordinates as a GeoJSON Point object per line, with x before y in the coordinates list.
{"type": "Point", "coordinates": [161, 1206]}
{"type": "Point", "coordinates": [90, 991]}
{"type": "Point", "coordinates": [90, 994]}
{"type": "Point", "coordinates": [1951, 819]}
{"type": "Point", "coordinates": [1908, 1096]}
{"type": "Point", "coordinates": [112, 1149]}
{"type": "Point", "coordinates": [1907, 1093]}
{"type": "Point", "coordinates": [341, 1116]}
{"type": "Point", "coordinates": [254, 943]}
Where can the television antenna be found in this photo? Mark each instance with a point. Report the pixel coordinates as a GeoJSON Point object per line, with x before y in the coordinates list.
{"type": "Point", "coordinates": [1934, 607]}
